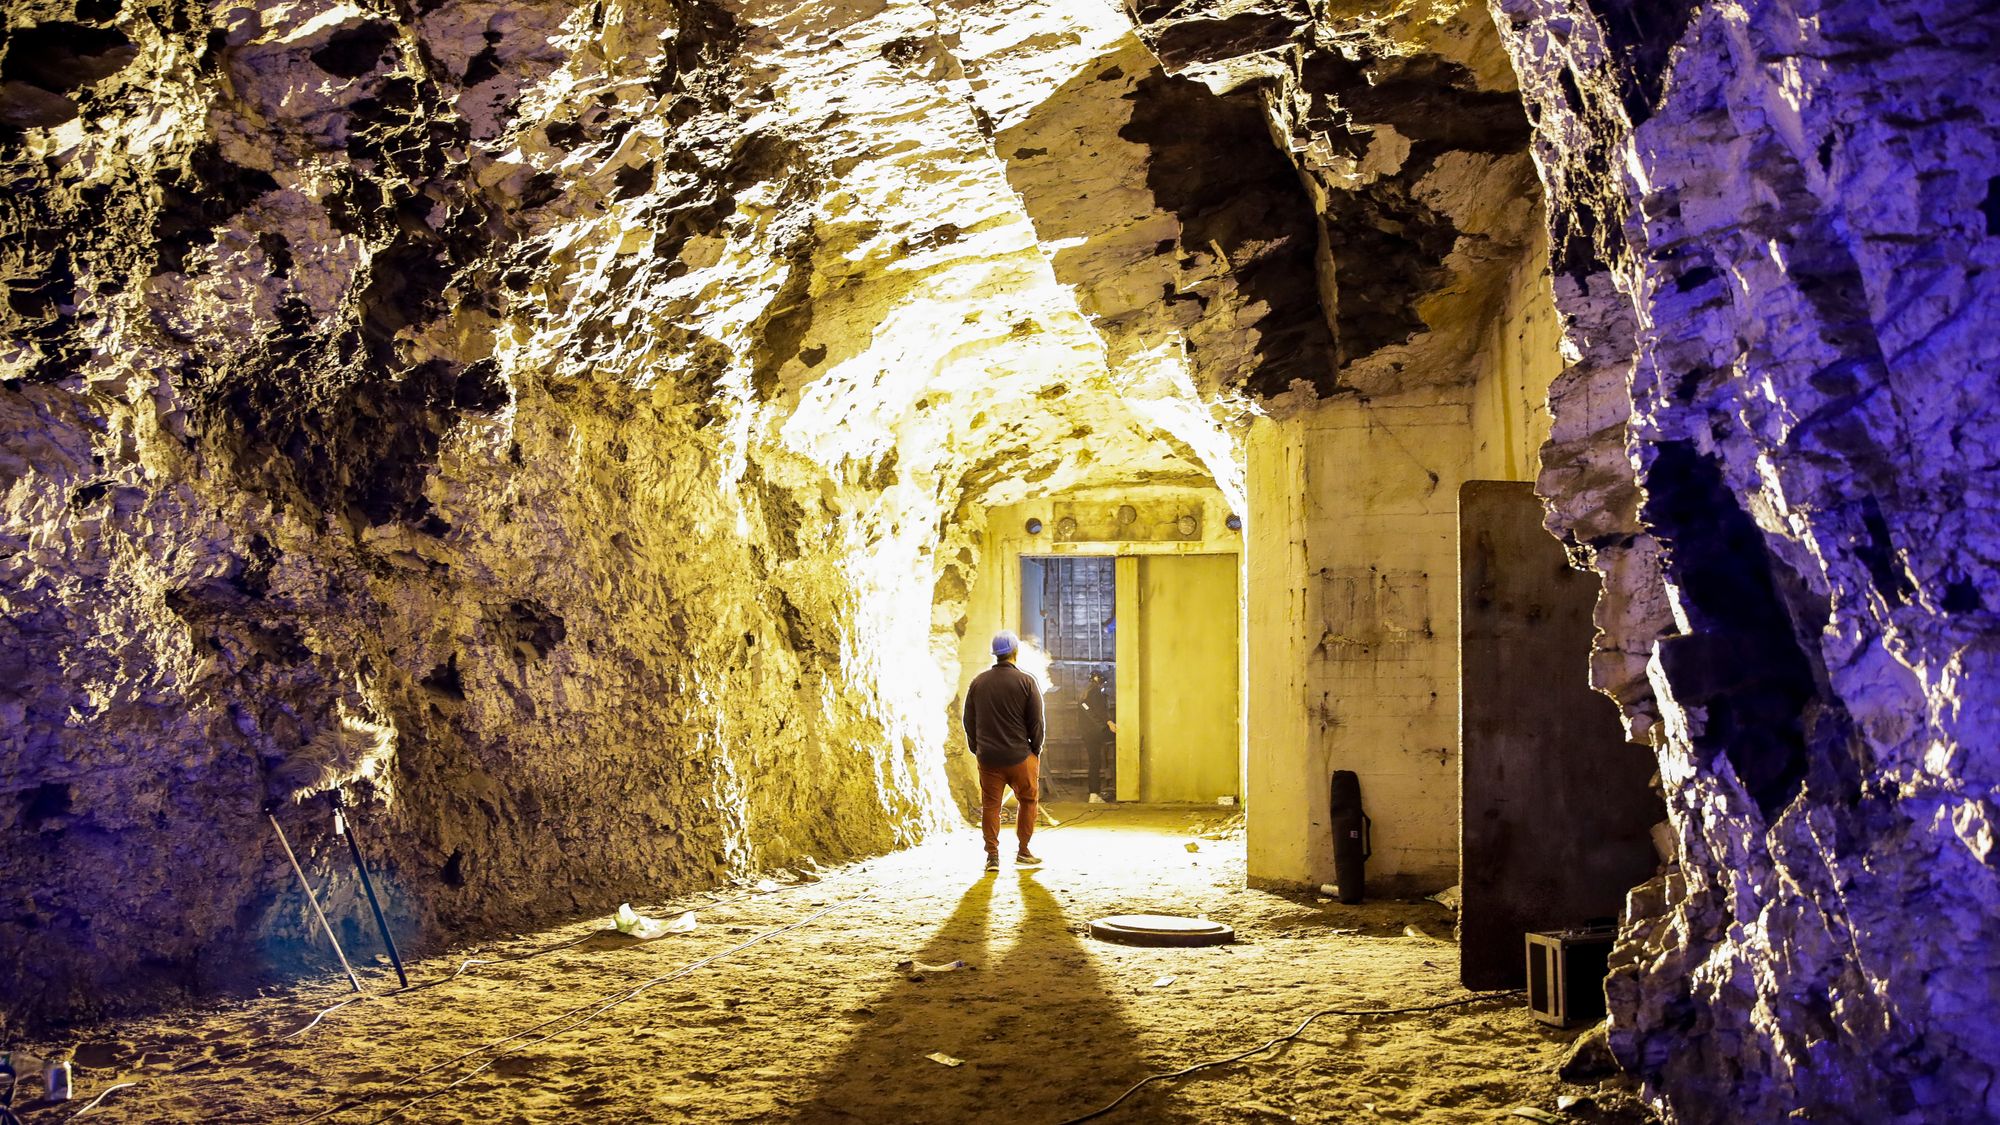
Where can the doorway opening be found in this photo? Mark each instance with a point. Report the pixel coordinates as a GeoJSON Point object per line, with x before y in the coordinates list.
{"type": "Point", "coordinates": [1161, 631]}
{"type": "Point", "coordinates": [1069, 609]}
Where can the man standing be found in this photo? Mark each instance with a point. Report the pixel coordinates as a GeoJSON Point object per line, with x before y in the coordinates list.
{"type": "Point", "coordinates": [1003, 727]}
{"type": "Point", "coordinates": [1098, 731]}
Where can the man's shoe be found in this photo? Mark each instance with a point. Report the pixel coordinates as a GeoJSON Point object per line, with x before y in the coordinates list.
{"type": "Point", "coordinates": [1023, 859]}
{"type": "Point", "coordinates": [993, 862]}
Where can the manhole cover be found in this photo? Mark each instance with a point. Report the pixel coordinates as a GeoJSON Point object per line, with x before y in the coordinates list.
{"type": "Point", "coordinates": [1161, 929]}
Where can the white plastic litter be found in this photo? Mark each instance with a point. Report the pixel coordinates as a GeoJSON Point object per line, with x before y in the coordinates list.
{"type": "Point", "coordinates": [947, 1060]}
{"type": "Point", "coordinates": [1163, 982]}
{"type": "Point", "coordinates": [630, 921]}
{"type": "Point", "coordinates": [1328, 889]}
{"type": "Point", "coordinates": [1096, 799]}
{"type": "Point", "coordinates": [1225, 801]}
{"type": "Point", "coordinates": [918, 968]}
{"type": "Point", "coordinates": [1447, 898]}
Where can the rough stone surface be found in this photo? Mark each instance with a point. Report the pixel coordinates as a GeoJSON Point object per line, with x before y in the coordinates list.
{"type": "Point", "coordinates": [1404, 124]}
{"type": "Point", "coordinates": [1772, 227]}
{"type": "Point", "coordinates": [604, 402]}
{"type": "Point", "coordinates": [581, 395]}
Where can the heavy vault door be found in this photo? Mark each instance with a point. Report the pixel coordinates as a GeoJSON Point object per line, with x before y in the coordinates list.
{"type": "Point", "coordinates": [1186, 643]}
{"type": "Point", "coordinates": [1555, 807]}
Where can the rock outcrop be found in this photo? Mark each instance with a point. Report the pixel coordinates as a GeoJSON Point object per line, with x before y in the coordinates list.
{"type": "Point", "coordinates": [1404, 125]}
{"type": "Point", "coordinates": [1774, 229]}
{"type": "Point", "coordinates": [1772, 232]}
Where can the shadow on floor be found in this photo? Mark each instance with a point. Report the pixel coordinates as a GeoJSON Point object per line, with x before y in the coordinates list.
{"type": "Point", "coordinates": [1041, 1037]}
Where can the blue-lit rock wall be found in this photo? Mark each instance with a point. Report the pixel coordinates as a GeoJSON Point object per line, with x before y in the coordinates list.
{"type": "Point", "coordinates": [1776, 231]}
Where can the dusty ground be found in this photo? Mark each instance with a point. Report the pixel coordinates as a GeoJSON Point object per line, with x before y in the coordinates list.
{"type": "Point", "coordinates": [815, 1023]}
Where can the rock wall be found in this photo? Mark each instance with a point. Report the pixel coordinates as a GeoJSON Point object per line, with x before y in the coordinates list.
{"type": "Point", "coordinates": [581, 396]}
{"type": "Point", "coordinates": [600, 400]}
{"type": "Point", "coordinates": [330, 398]}
{"type": "Point", "coordinates": [1774, 230]}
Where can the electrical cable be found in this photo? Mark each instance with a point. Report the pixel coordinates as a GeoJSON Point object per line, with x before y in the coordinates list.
{"type": "Point", "coordinates": [1293, 1034]}
{"type": "Point", "coordinates": [471, 961]}
{"type": "Point", "coordinates": [590, 1011]}
{"type": "Point", "coordinates": [1084, 817]}
{"type": "Point", "coordinates": [314, 1022]}
{"type": "Point", "coordinates": [101, 1095]}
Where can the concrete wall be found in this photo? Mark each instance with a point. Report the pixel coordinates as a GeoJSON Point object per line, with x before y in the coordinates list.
{"type": "Point", "coordinates": [1351, 605]}
{"type": "Point", "coordinates": [1522, 356]}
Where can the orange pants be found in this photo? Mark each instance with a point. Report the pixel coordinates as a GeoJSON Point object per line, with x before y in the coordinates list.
{"type": "Point", "coordinates": [993, 785]}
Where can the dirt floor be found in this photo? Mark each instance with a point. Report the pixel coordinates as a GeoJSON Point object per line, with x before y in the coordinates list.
{"type": "Point", "coordinates": [816, 1023]}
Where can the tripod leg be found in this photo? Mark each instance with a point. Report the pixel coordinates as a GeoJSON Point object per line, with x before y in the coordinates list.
{"type": "Point", "coordinates": [312, 898]}
{"type": "Point", "coordinates": [346, 828]}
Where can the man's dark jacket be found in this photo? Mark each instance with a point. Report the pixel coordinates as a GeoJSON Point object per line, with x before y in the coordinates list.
{"type": "Point", "coordinates": [1003, 716]}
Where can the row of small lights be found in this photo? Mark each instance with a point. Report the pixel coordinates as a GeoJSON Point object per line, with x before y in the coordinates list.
{"type": "Point", "coordinates": [1187, 525]}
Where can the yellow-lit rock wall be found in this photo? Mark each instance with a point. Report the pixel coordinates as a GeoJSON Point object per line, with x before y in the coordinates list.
{"type": "Point", "coordinates": [592, 398]}
{"type": "Point", "coordinates": [607, 402]}
{"type": "Point", "coordinates": [580, 395]}
{"type": "Point", "coordinates": [1520, 357]}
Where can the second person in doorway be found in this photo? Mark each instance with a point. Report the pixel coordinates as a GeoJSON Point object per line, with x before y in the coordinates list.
{"type": "Point", "coordinates": [1099, 732]}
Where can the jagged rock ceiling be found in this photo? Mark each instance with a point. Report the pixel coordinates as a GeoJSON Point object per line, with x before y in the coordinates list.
{"type": "Point", "coordinates": [1406, 128]}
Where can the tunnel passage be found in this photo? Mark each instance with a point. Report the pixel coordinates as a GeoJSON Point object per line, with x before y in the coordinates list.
{"type": "Point", "coordinates": [625, 410]}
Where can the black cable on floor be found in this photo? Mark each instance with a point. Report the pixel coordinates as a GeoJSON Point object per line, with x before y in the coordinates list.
{"type": "Point", "coordinates": [1084, 817]}
{"type": "Point", "coordinates": [1293, 1034]}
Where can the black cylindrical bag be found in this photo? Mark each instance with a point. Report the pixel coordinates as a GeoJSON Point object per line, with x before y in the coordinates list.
{"type": "Point", "coordinates": [1352, 837]}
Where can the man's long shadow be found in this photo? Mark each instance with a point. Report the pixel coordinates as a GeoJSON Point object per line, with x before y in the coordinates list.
{"type": "Point", "coordinates": [1042, 1037]}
